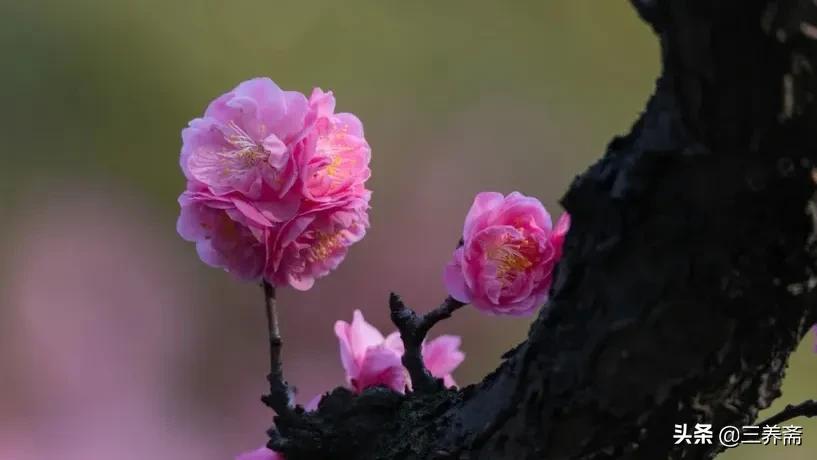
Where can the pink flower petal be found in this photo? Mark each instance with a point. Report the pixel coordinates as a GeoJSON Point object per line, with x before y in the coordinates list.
{"type": "Point", "coordinates": [381, 366]}
{"type": "Point", "coordinates": [395, 342]}
{"type": "Point", "coordinates": [454, 279]}
{"type": "Point", "coordinates": [313, 403]}
{"type": "Point", "coordinates": [484, 205]}
{"type": "Point", "coordinates": [362, 334]}
{"type": "Point", "coordinates": [442, 355]}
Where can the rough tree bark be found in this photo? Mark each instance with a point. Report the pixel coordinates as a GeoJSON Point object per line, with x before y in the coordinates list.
{"type": "Point", "coordinates": [687, 279]}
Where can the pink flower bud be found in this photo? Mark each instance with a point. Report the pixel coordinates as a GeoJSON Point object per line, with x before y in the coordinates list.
{"type": "Point", "coordinates": [505, 265]}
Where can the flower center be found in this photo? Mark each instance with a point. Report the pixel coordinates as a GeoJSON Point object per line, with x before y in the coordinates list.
{"type": "Point", "coordinates": [336, 147]}
{"type": "Point", "coordinates": [324, 246]}
{"type": "Point", "coordinates": [247, 149]}
{"type": "Point", "coordinates": [512, 257]}
{"type": "Point", "coordinates": [251, 157]}
{"type": "Point", "coordinates": [333, 168]}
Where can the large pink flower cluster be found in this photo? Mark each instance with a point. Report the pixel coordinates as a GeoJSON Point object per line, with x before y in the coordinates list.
{"type": "Point", "coordinates": [275, 184]}
{"type": "Point", "coordinates": [505, 264]}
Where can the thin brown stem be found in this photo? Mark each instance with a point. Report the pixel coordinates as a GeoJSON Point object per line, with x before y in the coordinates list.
{"type": "Point", "coordinates": [279, 398]}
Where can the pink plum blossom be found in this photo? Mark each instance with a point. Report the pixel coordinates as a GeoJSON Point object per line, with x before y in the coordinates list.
{"type": "Point", "coordinates": [262, 453]}
{"type": "Point", "coordinates": [505, 265]}
{"type": "Point", "coordinates": [366, 358]}
{"type": "Point", "coordinates": [247, 139]}
{"type": "Point", "coordinates": [369, 359]}
{"type": "Point", "coordinates": [223, 234]}
{"type": "Point", "coordinates": [315, 242]}
{"type": "Point", "coordinates": [275, 184]}
{"type": "Point", "coordinates": [336, 163]}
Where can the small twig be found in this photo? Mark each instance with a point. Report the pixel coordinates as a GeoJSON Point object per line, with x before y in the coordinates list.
{"type": "Point", "coordinates": [805, 409]}
{"type": "Point", "coordinates": [444, 311]}
{"type": "Point", "coordinates": [279, 398]}
{"type": "Point", "coordinates": [413, 330]}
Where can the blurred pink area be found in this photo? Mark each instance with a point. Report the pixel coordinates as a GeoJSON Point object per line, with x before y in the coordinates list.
{"type": "Point", "coordinates": [98, 335]}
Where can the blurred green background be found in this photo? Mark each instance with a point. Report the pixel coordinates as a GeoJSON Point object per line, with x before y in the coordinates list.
{"type": "Point", "coordinates": [116, 342]}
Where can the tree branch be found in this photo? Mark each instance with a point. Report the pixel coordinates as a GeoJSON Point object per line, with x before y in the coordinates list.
{"type": "Point", "coordinates": [805, 409]}
{"type": "Point", "coordinates": [413, 331]}
{"type": "Point", "coordinates": [687, 278]}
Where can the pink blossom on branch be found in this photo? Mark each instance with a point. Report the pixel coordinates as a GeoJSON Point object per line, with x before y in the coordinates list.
{"type": "Point", "coordinates": [275, 184]}
{"type": "Point", "coordinates": [366, 358]}
{"type": "Point", "coordinates": [505, 265]}
{"type": "Point", "coordinates": [369, 359]}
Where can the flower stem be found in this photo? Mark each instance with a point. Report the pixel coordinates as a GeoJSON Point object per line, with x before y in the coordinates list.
{"type": "Point", "coordinates": [279, 398]}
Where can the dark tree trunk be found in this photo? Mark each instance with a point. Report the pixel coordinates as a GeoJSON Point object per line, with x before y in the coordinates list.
{"type": "Point", "coordinates": [687, 279]}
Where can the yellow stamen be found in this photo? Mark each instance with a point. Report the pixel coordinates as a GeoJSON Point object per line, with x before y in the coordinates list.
{"type": "Point", "coordinates": [333, 168]}
{"type": "Point", "coordinates": [250, 157]}
{"type": "Point", "coordinates": [512, 257]}
{"type": "Point", "coordinates": [325, 245]}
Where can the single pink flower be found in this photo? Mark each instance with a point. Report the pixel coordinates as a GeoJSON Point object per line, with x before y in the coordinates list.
{"type": "Point", "coordinates": [369, 359]}
{"type": "Point", "coordinates": [225, 236]}
{"type": "Point", "coordinates": [247, 140]}
{"type": "Point", "coordinates": [505, 265]}
{"type": "Point", "coordinates": [262, 453]}
{"type": "Point", "coordinates": [315, 242]}
{"type": "Point", "coordinates": [336, 161]}
{"type": "Point", "coordinates": [366, 358]}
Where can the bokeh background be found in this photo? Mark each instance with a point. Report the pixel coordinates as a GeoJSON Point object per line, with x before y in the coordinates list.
{"type": "Point", "coordinates": [116, 343]}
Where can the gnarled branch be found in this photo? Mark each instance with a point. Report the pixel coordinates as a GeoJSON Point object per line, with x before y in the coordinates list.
{"type": "Point", "coordinates": [687, 278]}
